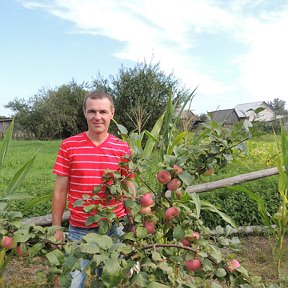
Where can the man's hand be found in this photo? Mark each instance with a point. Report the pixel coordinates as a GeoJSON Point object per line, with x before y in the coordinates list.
{"type": "Point", "coordinates": [59, 238]}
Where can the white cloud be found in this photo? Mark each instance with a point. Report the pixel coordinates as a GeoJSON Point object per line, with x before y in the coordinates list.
{"type": "Point", "coordinates": [264, 68]}
{"type": "Point", "coordinates": [170, 31]}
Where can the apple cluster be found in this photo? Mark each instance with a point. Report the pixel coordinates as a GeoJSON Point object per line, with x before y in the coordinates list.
{"type": "Point", "coordinates": [165, 177]}
{"type": "Point", "coordinates": [147, 202]}
{"type": "Point", "coordinates": [188, 240]}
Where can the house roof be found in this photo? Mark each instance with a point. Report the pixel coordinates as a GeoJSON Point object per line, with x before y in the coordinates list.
{"type": "Point", "coordinates": [188, 114]}
{"type": "Point", "coordinates": [222, 116]}
{"type": "Point", "coordinates": [241, 109]}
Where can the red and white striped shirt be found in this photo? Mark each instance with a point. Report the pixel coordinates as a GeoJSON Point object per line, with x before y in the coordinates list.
{"type": "Point", "coordinates": [85, 163]}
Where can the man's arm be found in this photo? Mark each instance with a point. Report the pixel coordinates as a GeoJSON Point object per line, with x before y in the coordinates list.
{"type": "Point", "coordinates": [59, 204]}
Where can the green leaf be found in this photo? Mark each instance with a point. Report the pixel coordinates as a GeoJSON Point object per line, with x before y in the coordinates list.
{"type": "Point", "coordinates": [89, 248]}
{"type": "Point", "coordinates": [122, 129]}
{"type": "Point", "coordinates": [129, 236]}
{"type": "Point", "coordinates": [18, 196]}
{"type": "Point", "coordinates": [105, 242]}
{"type": "Point", "coordinates": [156, 256]}
{"type": "Point", "coordinates": [176, 141]}
{"type": "Point", "coordinates": [78, 203]}
{"type": "Point", "coordinates": [21, 237]}
{"type": "Point", "coordinates": [141, 232]}
{"type": "Point", "coordinates": [14, 215]}
{"type": "Point", "coordinates": [209, 206]}
{"type": "Point", "coordinates": [154, 133]}
{"type": "Point", "coordinates": [196, 201]}
{"type": "Point", "coordinates": [89, 208]}
{"type": "Point", "coordinates": [20, 176]}
{"type": "Point", "coordinates": [38, 200]}
{"type": "Point", "coordinates": [52, 258]}
{"type": "Point", "coordinates": [5, 143]}
{"type": "Point", "coordinates": [157, 285]}
{"type": "Point", "coordinates": [140, 280]}
{"type": "Point", "coordinates": [112, 267]}
{"type": "Point", "coordinates": [284, 148]}
{"type": "Point", "coordinates": [111, 275]}
{"type": "Point", "coordinates": [178, 232]}
{"type": "Point", "coordinates": [186, 178]}
{"type": "Point", "coordinates": [65, 280]}
{"type": "Point", "coordinates": [220, 272]}
{"type": "Point", "coordinates": [34, 250]}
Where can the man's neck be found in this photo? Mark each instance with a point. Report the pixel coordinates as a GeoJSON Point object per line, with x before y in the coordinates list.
{"type": "Point", "coordinates": [97, 139]}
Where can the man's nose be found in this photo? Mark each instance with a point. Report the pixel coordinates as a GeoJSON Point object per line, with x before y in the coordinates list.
{"type": "Point", "coordinates": [97, 115]}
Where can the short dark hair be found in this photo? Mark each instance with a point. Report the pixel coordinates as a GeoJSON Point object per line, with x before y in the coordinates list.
{"type": "Point", "coordinates": [98, 95]}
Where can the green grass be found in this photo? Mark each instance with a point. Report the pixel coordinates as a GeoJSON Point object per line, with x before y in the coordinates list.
{"type": "Point", "coordinates": [39, 181]}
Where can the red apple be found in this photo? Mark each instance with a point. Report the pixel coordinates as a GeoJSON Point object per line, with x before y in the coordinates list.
{"type": "Point", "coordinates": [171, 213]}
{"type": "Point", "coordinates": [193, 265]}
{"type": "Point", "coordinates": [185, 242]}
{"type": "Point", "coordinates": [232, 265]}
{"type": "Point", "coordinates": [8, 243]}
{"type": "Point", "coordinates": [56, 282]}
{"type": "Point", "coordinates": [174, 184]}
{"type": "Point", "coordinates": [150, 227]}
{"type": "Point", "coordinates": [209, 171]}
{"type": "Point", "coordinates": [21, 250]}
{"type": "Point", "coordinates": [194, 236]}
{"type": "Point", "coordinates": [177, 169]}
{"type": "Point", "coordinates": [146, 200]}
{"type": "Point", "coordinates": [164, 176]}
{"type": "Point", "coordinates": [145, 210]}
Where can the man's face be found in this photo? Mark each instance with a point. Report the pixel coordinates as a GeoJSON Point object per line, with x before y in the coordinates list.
{"type": "Point", "coordinates": [98, 114]}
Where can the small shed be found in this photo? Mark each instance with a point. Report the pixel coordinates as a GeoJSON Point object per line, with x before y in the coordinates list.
{"type": "Point", "coordinates": [4, 124]}
{"type": "Point", "coordinates": [247, 111]}
{"type": "Point", "coordinates": [225, 117]}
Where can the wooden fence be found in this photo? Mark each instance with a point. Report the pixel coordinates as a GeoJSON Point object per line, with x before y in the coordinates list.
{"type": "Point", "coordinates": [47, 219]}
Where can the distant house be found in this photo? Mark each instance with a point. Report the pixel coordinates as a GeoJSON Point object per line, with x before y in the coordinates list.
{"type": "Point", "coordinates": [247, 111]}
{"type": "Point", "coordinates": [188, 119]}
{"type": "Point", "coordinates": [4, 124]}
{"type": "Point", "coordinates": [225, 117]}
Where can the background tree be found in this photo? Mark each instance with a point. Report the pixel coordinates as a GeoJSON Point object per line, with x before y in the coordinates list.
{"type": "Point", "coordinates": [51, 113]}
{"type": "Point", "coordinates": [278, 106]}
{"type": "Point", "coordinates": [141, 94]}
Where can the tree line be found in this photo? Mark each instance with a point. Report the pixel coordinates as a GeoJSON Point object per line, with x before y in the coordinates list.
{"type": "Point", "coordinates": [140, 96]}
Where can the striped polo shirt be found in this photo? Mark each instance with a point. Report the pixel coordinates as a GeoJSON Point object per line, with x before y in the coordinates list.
{"type": "Point", "coordinates": [85, 163]}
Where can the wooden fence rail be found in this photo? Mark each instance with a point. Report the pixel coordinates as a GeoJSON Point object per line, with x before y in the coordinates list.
{"type": "Point", "coordinates": [47, 219]}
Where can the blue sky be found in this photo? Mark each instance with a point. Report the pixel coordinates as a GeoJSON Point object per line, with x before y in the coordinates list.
{"type": "Point", "coordinates": [235, 51]}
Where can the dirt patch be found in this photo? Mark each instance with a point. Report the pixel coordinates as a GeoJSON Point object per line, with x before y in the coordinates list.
{"type": "Point", "coordinates": [25, 272]}
{"type": "Point", "coordinates": [256, 255]}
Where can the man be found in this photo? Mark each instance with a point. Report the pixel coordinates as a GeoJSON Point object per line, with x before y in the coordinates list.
{"type": "Point", "coordinates": [80, 165]}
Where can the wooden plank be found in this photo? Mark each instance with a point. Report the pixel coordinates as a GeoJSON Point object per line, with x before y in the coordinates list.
{"type": "Point", "coordinates": [232, 180]}
{"type": "Point", "coordinates": [45, 220]}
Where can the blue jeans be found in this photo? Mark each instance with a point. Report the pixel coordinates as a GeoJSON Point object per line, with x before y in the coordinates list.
{"type": "Point", "coordinates": [74, 234]}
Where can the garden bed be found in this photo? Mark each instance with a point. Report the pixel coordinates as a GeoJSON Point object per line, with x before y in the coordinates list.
{"type": "Point", "coordinates": [255, 255]}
